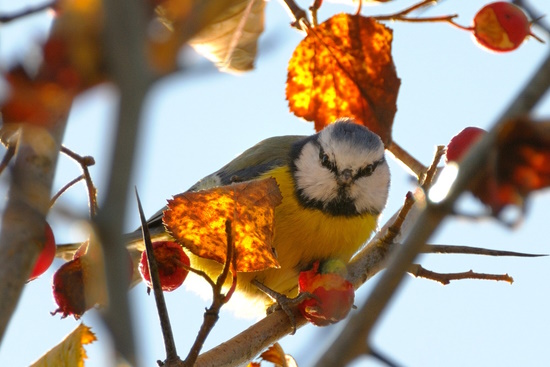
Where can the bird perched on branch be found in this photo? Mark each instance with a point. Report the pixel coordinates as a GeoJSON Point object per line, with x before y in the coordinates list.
{"type": "Point", "coordinates": [334, 184]}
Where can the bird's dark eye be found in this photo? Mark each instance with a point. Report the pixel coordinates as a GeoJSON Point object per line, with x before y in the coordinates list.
{"type": "Point", "coordinates": [368, 169]}
{"type": "Point", "coordinates": [325, 160]}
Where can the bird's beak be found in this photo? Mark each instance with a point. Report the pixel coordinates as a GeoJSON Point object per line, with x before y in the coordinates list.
{"type": "Point", "coordinates": [345, 177]}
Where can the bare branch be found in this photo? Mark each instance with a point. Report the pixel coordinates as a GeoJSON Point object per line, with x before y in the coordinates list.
{"type": "Point", "coordinates": [28, 202]}
{"type": "Point", "coordinates": [428, 179]}
{"type": "Point", "coordinates": [84, 163]}
{"type": "Point", "coordinates": [169, 344]}
{"type": "Point", "coordinates": [211, 315]}
{"type": "Point", "coordinates": [301, 21]}
{"type": "Point", "coordinates": [65, 188]}
{"type": "Point", "coordinates": [124, 39]}
{"type": "Point", "coordinates": [468, 250]}
{"type": "Point", "coordinates": [445, 278]}
{"type": "Point", "coordinates": [408, 160]}
{"type": "Point", "coordinates": [246, 345]}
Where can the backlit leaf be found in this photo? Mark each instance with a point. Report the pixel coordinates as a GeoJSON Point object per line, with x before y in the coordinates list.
{"type": "Point", "coordinates": [231, 41]}
{"type": "Point", "coordinates": [70, 352]}
{"type": "Point", "coordinates": [274, 354]}
{"type": "Point", "coordinates": [177, 22]}
{"type": "Point", "coordinates": [197, 221]}
{"type": "Point", "coordinates": [524, 155]}
{"type": "Point", "coordinates": [344, 68]}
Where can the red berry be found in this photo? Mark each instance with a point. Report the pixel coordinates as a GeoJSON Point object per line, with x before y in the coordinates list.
{"type": "Point", "coordinates": [76, 288]}
{"type": "Point", "coordinates": [332, 299]}
{"type": "Point", "coordinates": [170, 262]}
{"type": "Point", "coordinates": [47, 255]}
{"type": "Point", "coordinates": [501, 26]}
{"type": "Point", "coordinates": [461, 142]}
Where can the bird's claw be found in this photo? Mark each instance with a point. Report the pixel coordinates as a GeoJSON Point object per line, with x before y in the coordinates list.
{"type": "Point", "coordinates": [282, 302]}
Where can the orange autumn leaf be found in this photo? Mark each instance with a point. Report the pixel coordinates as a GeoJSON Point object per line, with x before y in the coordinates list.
{"type": "Point", "coordinates": [72, 62]}
{"type": "Point", "coordinates": [197, 221]}
{"type": "Point", "coordinates": [36, 102]}
{"type": "Point", "coordinates": [344, 68]}
{"type": "Point", "coordinates": [274, 354]}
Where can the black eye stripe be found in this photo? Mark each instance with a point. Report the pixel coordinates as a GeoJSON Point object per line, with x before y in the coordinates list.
{"type": "Point", "coordinates": [325, 160]}
{"type": "Point", "coordinates": [369, 169]}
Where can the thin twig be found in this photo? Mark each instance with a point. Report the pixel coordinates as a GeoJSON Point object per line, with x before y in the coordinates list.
{"type": "Point", "coordinates": [382, 357]}
{"type": "Point", "coordinates": [408, 160]}
{"type": "Point", "coordinates": [414, 7]}
{"type": "Point", "coordinates": [169, 344]}
{"type": "Point", "coordinates": [445, 278]}
{"type": "Point", "coordinates": [30, 11]}
{"type": "Point", "coordinates": [313, 11]}
{"type": "Point", "coordinates": [428, 178]}
{"type": "Point", "coordinates": [211, 315]}
{"type": "Point", "coordinates": [65, 188]}
{"type": "Point", "coordinates": [301, 21]}
{"type": "Point", "coordinates": [468, 250]}
{"type": "Point", "coordinates": [85, 162]}
{"type": "Point", "coordinates": [403, 16]}
{"type": "Point", "coordinates": [395, 228]}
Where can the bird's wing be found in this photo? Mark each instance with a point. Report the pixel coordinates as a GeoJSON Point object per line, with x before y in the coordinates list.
{"type": "Point", "coordinates": [249, 165]}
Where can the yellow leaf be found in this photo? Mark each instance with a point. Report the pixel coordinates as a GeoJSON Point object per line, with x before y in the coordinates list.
{"type": "Point", "coordinates": [70, 352]}
{"type": "Point", "coordinates": [197, 221]}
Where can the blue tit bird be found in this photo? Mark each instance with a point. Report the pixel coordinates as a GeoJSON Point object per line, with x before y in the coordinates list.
{"type": "Point", "coordinates": [334, 186]}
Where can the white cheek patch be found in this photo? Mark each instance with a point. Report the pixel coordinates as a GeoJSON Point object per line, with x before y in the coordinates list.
{"type": "Point", "coordinates": [371, 193]}
{"type": "Point", "coordinates": [316, 181]}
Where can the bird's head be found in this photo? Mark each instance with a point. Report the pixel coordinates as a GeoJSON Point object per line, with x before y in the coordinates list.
{"type": "Point", "coordinates": [342, 170]}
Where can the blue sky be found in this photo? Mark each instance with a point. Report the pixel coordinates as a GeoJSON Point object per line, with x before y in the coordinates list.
{"type": "Point", "coordinates": [194, 122]}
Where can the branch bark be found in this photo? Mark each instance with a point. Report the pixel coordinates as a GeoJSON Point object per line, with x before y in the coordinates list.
{"type": "Point", "coordinates": [124, 42]}
{"type": "Point", "coordinates": [23, 221]}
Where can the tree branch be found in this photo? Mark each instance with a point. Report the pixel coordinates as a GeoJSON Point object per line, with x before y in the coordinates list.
{"type": "Point", "coordinates": [408, 160]}
{"type": "Point", "coordinates": [468, 250]}
{"type": "Point", "coordinates": [445, 278]}
{"type": "Point", "coordinates": [124, 44]}
{"type": "Point", "coordinates": [23, 220]}
{"type": "Point", "coordinates": [164, 317]}
{"type": "Point", "coordinates": [84, 163]}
